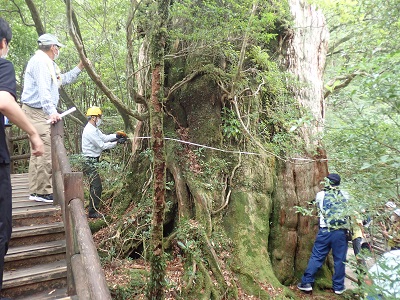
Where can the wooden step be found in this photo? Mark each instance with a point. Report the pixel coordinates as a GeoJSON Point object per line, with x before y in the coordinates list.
{"type": "Point", "coordinates": [37, 210]}
{"type": "Point", "coordinates": [29, 255]}
{"type": "Point", "coordinates": [40, 214]}
{"type": "Point", "coordinates": [37, 233]}
{"type": "Point", "coordinates": [20, 193]}
{"type": "Point", "coordinates": [56, 294]}
{"type": "Point", "coordinates": [29, 204]}
{"type": "Point", "coordinates": [35, 267]}
{"type": "Point", "coordinates": [35, 279]}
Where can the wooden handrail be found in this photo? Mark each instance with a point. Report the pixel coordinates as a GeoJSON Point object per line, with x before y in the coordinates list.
{"type": "Point", "coordinates": [84, 273]}
{"type": "Point", "coordinates": [10, 139]}
{"type": "Point", "coordinates": [18, 138]}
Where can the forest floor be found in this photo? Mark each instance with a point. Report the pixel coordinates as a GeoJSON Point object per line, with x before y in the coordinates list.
{"type": "Point", "coordinates": [117, 276]}
{"type": "Point", "coordinates": [322, 295]}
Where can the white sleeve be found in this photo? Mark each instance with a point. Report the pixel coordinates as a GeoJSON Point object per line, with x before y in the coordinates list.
{"type": "Point", "coordinates": [319, 199]}
{"type": "Point", "coordinates": [108, 137]}
{"type": "Point", "coordinates": [101, 140]}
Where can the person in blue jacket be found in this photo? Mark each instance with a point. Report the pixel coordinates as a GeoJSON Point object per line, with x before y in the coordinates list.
{"type": "Point", "coordinates": [331, 235]}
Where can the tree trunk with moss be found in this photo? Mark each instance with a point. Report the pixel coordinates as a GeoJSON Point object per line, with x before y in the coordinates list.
{"type": "Point", "coordinates": [231, 190]}
{"type": "Point", "coordinates": [157, 260]}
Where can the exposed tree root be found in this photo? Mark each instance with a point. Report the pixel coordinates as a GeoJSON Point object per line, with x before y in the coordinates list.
{"type": "Point", "coordinates": [230, 184]}
{"type": "Point", "coordinates": [200, 254]}
{"type": "Point", "coordinates": [191, 279]}
{"type": "Point", "coordinates": [181, 191]}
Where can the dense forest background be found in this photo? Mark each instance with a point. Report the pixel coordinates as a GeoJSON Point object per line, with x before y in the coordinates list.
{"type": "Point", "coordinates": [268, 117]}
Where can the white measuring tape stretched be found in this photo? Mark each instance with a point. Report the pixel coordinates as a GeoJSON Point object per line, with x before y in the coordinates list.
{"type": "Point", "coordinates": [198, 145]}
{"type": "Point", "coordinates": [72, 109]}
{"type": "Point", "coordinates": [305, 160]}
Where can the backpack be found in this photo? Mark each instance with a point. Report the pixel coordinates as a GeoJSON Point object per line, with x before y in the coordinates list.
{"type": "Point", "coordinates": [333, 209]}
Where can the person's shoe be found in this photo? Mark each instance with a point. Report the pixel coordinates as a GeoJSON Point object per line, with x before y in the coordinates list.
{"type": "Point", "coordinates": [31, 197]}
{"type": "Point", "coordinates": [340, 292]}
{"type": "Point", "coordinates": [95, 215]}
{"type": "Point", "coordinates": [305, 287]}
{"type": "Point", "coordinates": [48, 198]}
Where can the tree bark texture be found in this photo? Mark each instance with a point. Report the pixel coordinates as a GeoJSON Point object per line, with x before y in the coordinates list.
{"type": "Point", "coordinates": [304, 49]}
{"type": "Point", "coordinates": [36, 17]}
{"type": "Point", "coordinates": [157, 260]}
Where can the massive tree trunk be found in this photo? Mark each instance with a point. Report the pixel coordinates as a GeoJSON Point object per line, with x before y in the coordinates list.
{"type": "Point", "coordinates": [304, 53]}
{"type": "Point", "coordinates": [231, 216]}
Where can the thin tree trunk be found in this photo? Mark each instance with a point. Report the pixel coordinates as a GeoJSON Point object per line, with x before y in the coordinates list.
{"type": "Point", "coordinates": [158, 38]}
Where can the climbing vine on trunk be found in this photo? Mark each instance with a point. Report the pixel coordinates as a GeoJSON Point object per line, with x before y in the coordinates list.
{"type": "Point", "coordinates": [157, 44]}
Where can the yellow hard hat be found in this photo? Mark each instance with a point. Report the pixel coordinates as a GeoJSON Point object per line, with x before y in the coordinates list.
{"type": "Point", "coordinates": [94, 111]}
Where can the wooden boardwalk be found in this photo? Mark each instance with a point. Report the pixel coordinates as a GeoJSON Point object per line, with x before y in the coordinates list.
{"type": "Point", "coordinates": [22, 206]}
{"type": "Point", "coordinates": [35, 266]}
{"type": "Point", "coordinates": [46, 255]}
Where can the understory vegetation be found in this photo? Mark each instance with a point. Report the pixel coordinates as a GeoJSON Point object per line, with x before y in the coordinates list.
{"type": "Point", "coordinates": [237, 160]}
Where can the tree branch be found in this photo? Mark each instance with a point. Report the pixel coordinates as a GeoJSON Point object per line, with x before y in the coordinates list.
{"type": "Point", "coordinates": [123, 109]}
{"type": "Point", "coordinates": [185, 80]}
{"type": "Point", "coordinates": [69, 102]}
{"type": "Point", "coordinates": [339, 42]}
{"type": "Point", "coordinates": [35, 17]}
{"type": "Point", "coordinates": [344, 80]}
{"type": "Point", "coordinates": [20, 14]}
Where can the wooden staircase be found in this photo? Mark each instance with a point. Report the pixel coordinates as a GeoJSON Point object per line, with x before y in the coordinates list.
{"type": "Point", "coordinates": [35, 266]}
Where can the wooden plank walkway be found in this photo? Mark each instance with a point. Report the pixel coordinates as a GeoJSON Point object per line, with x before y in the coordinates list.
{"type": "Point", "coordinates": [35, 266]}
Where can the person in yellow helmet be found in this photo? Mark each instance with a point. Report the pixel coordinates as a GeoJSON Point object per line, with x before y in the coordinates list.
{"type": "Point", "coordinates": [93, 143]}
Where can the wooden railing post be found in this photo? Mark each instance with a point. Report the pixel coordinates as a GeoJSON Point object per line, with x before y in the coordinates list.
{"type": "Point", "coordinates": [73, 188]}
{"type": "Point", "coordinates": [85, 277]}
{"type": "Point", "coordinates": [90, 262]}
{"type": "Point", "coordinates": [57, 136]}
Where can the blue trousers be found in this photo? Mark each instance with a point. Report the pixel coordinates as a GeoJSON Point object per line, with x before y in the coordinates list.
{"type": "Point", "coordinates": [324, 242]}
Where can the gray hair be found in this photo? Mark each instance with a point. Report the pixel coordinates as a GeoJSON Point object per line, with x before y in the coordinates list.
{"type": "Point", "coordinates": [45, 47]}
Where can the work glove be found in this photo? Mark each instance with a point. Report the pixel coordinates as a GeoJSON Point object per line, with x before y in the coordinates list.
{"type": "Point", "coordinates": [121, 140]}
{"type": "Point", "coordinates": [121, 134]}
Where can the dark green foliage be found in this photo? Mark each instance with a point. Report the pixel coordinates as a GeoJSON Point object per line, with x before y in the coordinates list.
{"type": "Point", "coordinates": [134, 288]}
{"type": "Point", "coordinates": [363, 119]}
{"type": "Point", "coordinates": [231, 127]}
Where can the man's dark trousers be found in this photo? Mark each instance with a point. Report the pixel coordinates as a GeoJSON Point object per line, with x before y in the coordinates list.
{"type": "Point", "coordinates": [90, 170]}
{"type": "Point", "coordinates": [325, 241]}
{"type": "Point", "coordinates": [5, 214]}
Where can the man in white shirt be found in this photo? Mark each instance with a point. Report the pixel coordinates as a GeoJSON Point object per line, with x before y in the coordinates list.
{"type": "Point", "coordinates": [93, 143]}
{"type": "Point", "coordinates": [39, 99]}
